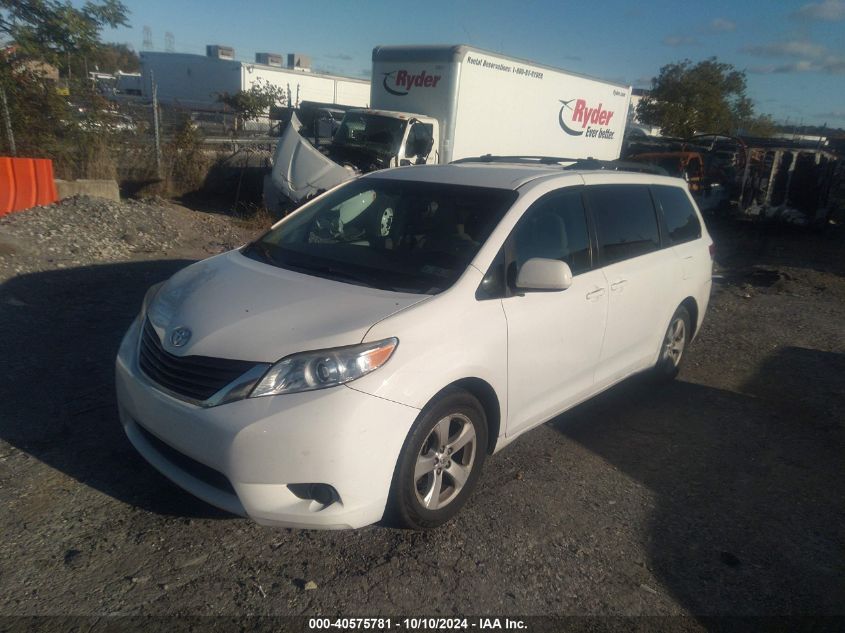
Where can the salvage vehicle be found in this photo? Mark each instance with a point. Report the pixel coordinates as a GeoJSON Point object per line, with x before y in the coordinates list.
{"type": "Point", "coordinates": [705, 179]}
{"type": "Point", "coordinates": [437, 104]}
{"type": "Point", "coordinates": [362, 358]}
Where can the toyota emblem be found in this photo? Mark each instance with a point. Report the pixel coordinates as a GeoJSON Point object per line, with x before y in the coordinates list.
{"type": "Point", "coordinates": [180, 336]}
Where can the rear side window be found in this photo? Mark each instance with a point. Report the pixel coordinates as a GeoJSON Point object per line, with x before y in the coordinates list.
{"type": "Point", "coordinates": [626, 223]}
{"type": "Point", "coordinates": [678, 213]}
{"type": "Point", "coordinates": [555, 227]}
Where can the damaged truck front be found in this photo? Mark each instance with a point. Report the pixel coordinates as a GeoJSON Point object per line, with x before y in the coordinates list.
{"type": "Point", "coordinates": [367, 140]}
{"type": "Point", "coordinates": [436, 104]}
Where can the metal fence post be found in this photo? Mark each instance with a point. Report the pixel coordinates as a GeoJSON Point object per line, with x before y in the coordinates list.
{"type": "Point", "coordinates": [7, 121]}
{"type": "Point", "coordinates": [156, 124]}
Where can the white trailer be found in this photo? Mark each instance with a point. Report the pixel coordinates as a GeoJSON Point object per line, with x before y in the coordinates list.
{"type": "Point", "coordinates": [195, 81]}
{"type": "Point", "coordinates": [437, 104]}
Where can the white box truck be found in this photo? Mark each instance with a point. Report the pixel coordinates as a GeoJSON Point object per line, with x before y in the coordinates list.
{"type": "Point", "coordinates": [437, 104]}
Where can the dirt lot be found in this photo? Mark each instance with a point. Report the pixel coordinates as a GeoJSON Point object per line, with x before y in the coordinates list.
{"type": "Point", "coordinates": [720, 494]}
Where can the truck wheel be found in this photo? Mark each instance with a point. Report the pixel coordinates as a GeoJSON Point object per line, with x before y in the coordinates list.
{"type": "Point", "coordinates": [440, 462]}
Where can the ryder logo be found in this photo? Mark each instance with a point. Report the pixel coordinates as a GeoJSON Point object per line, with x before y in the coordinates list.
{"type": "Point", "coordinates": [582, 115]}
{"type": "Point", "coordinates": [405, 80]}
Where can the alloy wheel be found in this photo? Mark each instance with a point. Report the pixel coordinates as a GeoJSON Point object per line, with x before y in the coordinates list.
{"type": "Point", "coordinates": [675, 341]}
{"type": "Point", "coordinates": [445, 461]}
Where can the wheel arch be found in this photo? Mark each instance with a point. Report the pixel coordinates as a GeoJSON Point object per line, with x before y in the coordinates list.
{"type": "Point", "coordinates": [692, 307]}
{"type": "Point", "coordinates": [486, 395]}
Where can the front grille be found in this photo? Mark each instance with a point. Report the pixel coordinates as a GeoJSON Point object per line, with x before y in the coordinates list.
{"type": "Point", "coordinates": [195, 377]}
{"type": "Point", "coordinates": [195, 469]}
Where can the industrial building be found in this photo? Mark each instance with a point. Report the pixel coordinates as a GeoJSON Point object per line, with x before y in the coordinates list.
{"type": "Point", "coordinates": [195, 81]}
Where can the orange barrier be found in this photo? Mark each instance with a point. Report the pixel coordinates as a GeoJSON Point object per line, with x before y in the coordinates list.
{"type": "Point", "coordinates": [26, 182]}
{"type": "Point", "coordinates": [26, 189]}
{"type": "Point", "coordinates": [45, 183]}
{"type": "Point", "coordinates": [7, 186]}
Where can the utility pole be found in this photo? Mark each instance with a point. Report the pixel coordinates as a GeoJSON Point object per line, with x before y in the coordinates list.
{"type": "Point", "coordinates": [156, 124]}
{"type": "Point", "coordinates": [7, 122]}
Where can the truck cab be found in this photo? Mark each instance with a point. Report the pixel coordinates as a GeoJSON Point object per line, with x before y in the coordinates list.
{"type": "Point", "coordinates": [394, 138]}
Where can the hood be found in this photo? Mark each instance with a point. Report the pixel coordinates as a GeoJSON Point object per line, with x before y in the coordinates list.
{"type": "Point", "coordinates": [300, 170]}
{"type": "Point", "coordinates": [242, 309]}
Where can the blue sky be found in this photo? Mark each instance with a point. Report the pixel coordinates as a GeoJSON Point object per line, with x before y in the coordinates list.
{"type": "Point", "coordinates": [793, 52]}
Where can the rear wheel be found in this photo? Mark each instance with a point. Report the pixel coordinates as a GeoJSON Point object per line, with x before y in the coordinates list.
{"type": "Point", "coordinates": [440, 462]}
{"type": "Point", "coordinates": [674, 345]}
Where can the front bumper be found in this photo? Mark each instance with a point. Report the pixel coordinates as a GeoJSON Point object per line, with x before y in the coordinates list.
{"type": "Point", "coordinates": [241, 456]}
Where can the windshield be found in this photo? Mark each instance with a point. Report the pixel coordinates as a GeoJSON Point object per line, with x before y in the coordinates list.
{"type": "Point", "coordinates": [378, 133]}
{"type": "Point", "coordinates": [391, 234]}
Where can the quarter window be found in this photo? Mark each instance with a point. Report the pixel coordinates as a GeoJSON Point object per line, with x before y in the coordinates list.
{"type": "Point", "coordinates": [555, 227]}
{"type": "Point", "coordinates": [625, 221]}
{"type": "Point", "coordinates": [680, 216]}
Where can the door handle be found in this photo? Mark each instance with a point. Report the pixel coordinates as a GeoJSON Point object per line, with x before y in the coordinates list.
{"type": "Point", "coordinates": [617, 286]}
{"type": "Point", "coordinates": [595, 294]}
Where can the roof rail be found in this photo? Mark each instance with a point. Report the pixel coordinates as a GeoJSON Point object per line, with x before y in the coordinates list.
{"type": "Point", "coordinates": [572, 163]}
{"type": "Point", "coordinates": [530, 160]}
{"type": "Point", "coordinates": [618, 165]}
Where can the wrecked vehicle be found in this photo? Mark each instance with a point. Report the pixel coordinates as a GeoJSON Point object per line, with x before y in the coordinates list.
{"type": "Point", "coordinates": [706, 180]}
{"type": "Point", "coordinates": [437, 104]}
{"type": "Point", "coordinates": [788, 184]}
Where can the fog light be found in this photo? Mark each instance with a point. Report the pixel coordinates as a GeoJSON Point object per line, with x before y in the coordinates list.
{"type": "Point", "coordinates": [324, 494]}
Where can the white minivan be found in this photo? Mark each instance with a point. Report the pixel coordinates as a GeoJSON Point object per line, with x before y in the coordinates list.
{"type": "Point", "coordinates": [363, 357]}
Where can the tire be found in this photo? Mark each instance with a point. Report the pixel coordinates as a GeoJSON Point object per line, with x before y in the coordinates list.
{"type": "Point", "coordinates": [416, 500]}
{"type": "Point", "coordinates": [673, 345]}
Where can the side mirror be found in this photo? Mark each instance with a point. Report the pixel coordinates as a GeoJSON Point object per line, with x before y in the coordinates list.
{"type": "Point", "coordinates": [540, 274]}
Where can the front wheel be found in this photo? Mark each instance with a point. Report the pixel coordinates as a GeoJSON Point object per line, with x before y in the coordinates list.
{"type": "Point", "coordinates": [674, 344]}
{"type": "Point", "coordinates": [440, 462]}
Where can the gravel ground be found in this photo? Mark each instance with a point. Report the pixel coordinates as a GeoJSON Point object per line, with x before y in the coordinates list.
{"type": "Point", "coordinates": [81, 231]}
{"type": "Point", "coordinates": [721, 494]}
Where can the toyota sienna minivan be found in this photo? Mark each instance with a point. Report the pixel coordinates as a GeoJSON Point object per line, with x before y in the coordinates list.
{"type": "Point", "coordinates": [363, 357]}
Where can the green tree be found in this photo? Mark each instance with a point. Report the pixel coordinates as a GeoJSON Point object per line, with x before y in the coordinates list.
{"type": "Point", "coordinates": [688, 98]}
{"type": "Point", "coordinates": [43, 122]}
{"type": "Point", "coordinates": [52, 30]}
{"type": "Point", "coordinates": [762, 125]}
{"type": "Point", "coordinates": [254, 102]}
{"type": "Point", "coordinates": [107, 58]}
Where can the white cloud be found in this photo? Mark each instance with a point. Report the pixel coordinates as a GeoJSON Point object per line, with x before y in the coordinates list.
{"type": "Point", "coordinates": [836, 114]}
{"type": "Point", "coordinates": [789, 48]}
{"type": "Point", "coordinates": [721, 24]}
{"type": "Point", "coordinates": [680, 40]}
{"type": "Point", "coordinates": [834, 65]}
{"type": "Point", "coordinates": [830, 65]}
{"type": "Point", "coordinates": [826, 11]}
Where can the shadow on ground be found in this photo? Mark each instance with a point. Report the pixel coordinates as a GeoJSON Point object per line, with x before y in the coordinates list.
{"type": "Point", "coordinates": [749, 486]}
{"type": "Point", "coordinates": [742, 242]}
{"type": "Point", "coordinates": [61, 331]}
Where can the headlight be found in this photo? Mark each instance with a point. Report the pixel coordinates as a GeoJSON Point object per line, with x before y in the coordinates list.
{"type": "Point", "coordinates": [324, 368]}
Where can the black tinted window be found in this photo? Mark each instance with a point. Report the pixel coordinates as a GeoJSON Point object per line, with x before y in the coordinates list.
{"type": "Point", "coordinates": [393, 234]}
{"type": "Point", "coordinates": [679, 214]}
{"type": "Point", "coordinates": [625, 221]}
{"type": "Point", "coordinates": [555, 228]}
